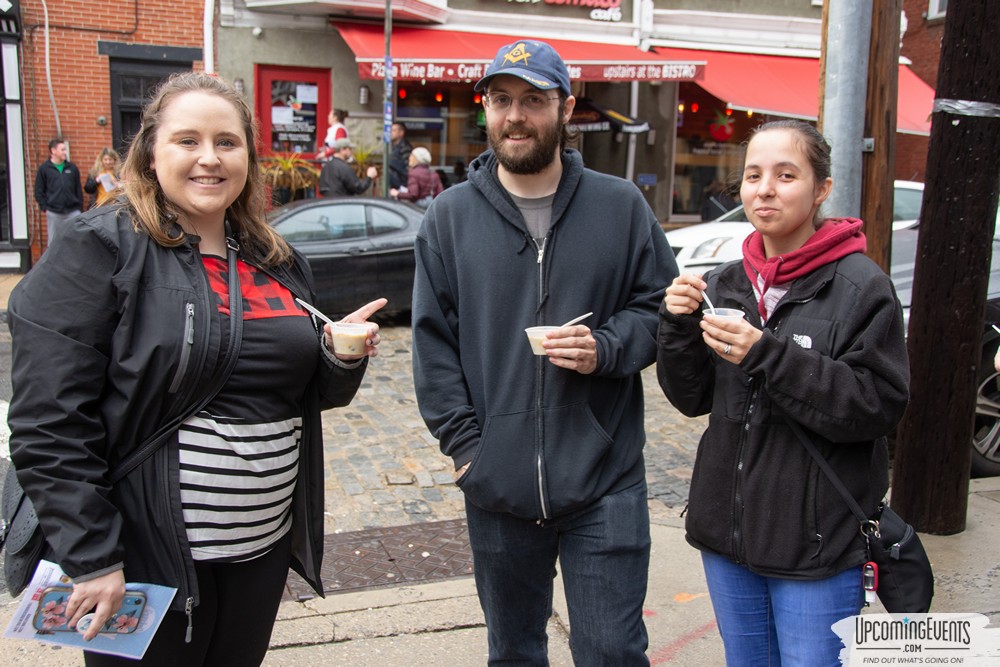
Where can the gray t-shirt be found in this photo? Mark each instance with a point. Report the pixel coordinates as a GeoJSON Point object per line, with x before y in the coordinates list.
{"type": "Point", "coordinates": [537, 214]}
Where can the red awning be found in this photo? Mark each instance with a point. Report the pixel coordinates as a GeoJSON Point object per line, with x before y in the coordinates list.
{"type": "Point", "coordinates": [778, 85]}
{"type": "Point", "coordinates": [788, 86]}
{"type": "Point", "coordinates": [447, 55]}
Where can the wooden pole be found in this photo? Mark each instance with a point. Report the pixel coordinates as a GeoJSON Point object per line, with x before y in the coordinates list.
{"type": "Point", "coordinates": [930, 481]}
{"type": "Point", "coordinates": [878, 165]}
{"type": "Point", "coordinates": [822, 65]}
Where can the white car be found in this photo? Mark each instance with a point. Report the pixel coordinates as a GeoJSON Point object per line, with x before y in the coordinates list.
{"type": "Point", "coordinates": [706, 245]}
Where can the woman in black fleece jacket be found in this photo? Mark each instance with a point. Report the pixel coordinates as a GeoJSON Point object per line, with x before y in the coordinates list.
{"type": "Point", "coordinates": [820, 342]}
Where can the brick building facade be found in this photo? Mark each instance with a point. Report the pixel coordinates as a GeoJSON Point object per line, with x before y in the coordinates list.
{"type": "Point", "coordinates": [104, 56]}
{"type": "Point", "coordinates": [922, 45]}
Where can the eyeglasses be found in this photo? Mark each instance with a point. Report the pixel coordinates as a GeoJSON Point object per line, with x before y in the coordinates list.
{"type": "Point", "coordinates": [530, 102]}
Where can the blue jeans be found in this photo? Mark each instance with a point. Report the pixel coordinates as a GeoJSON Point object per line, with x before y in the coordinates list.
{"type": "Point", "coordinates": [774, 622]}
{"type": "Point", "coordinates": [603, 551]}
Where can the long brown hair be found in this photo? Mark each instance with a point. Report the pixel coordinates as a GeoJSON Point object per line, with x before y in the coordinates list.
{"type": "Point", "coordinates": [153, 213]}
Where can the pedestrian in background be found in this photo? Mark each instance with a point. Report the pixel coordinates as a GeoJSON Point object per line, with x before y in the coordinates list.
{"type": "Point", "coordinates": [337, 130]}
{"type": "Point", "coordinates": [121, 329]}
{"type": "Point", "coordinates": [338, 178]}
{"type": "Point", "coordinates": [399, 155]}
{"type": "Point", "coordinates": [547, 449]}
{"type": "Point", "coordinates": [821, 344]}
{"type": "Point", "coordinates": [102, 179]}
{"type": "Point", "coordinates": [422, 183]}
{"type": "Point", "coordinates": [57, 189]}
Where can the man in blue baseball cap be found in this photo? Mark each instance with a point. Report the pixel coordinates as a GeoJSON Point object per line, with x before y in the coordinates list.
{"type": "Point", "coordinates": [534, 62]}
{"type": "Point", "coordinates": [547, 449]}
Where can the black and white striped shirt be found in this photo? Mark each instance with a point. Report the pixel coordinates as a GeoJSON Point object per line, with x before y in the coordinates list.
{"type": "Point", "coordinates": [239, 457]}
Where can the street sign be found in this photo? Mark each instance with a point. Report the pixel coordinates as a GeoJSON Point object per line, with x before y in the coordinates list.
{"type": "Point", "coordinates": [387, 122]}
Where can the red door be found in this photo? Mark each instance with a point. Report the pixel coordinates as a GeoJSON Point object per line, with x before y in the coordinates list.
{"type": "Point", "coordinates": [293, 104]}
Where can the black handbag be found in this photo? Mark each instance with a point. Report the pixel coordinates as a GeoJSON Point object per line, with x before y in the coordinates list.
{"type": "Point", "coordinates": [20, 536]}
{"type": "Point", "coordinates": [20, 533]}
{"type": "Point", "coordinates": [905, 578]}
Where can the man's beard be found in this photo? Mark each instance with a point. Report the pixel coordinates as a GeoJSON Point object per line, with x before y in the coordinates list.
{"type": "Point", "coordinates": [547, 138]}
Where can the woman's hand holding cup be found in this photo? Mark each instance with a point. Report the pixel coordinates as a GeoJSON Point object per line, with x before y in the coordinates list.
{"type": "Point", "coordinates": [343, 340]}
{"type": "Point", "coordinates": [684, 296]}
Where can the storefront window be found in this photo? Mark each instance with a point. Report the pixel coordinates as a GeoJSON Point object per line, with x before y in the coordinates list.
{"type": "Point", "coordinates": [293, 116]}
{"type": "Point", "coordinates": [443, 118]}
{"type": "Point", "coordinates": [709, 154]}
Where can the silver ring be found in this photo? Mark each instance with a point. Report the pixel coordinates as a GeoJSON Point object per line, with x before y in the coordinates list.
{"type": "Point", "coordinates": [729, 348]}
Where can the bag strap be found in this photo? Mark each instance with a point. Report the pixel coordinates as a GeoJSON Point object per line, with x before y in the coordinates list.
{"type": "Point", "coordinates": [828, 471]}
{"type": "Point", "coordinates": [155, 441]}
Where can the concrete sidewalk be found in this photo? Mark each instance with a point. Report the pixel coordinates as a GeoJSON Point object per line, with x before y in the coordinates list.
{"type": "Point", "coordinates": [440, 624]}
{"type": "Point", "coordinates": [7, 283]}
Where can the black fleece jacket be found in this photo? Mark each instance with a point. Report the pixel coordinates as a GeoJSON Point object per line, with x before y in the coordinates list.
{"type": "Point", "coordinates": [58, 191]}
{"type": "Point", "coordinates": [833, 358]}
{"type": "Point", "coordinates": [543, 441]}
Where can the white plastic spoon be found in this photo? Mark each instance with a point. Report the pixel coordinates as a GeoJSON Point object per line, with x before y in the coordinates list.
{"type": "Point", "coordinates": [704, 296]}
{"type": "Point", "coordinates": [577, 319]}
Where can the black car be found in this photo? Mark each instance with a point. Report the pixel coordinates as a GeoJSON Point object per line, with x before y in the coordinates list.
{"type": "Point", "coordinates": [359, 249]}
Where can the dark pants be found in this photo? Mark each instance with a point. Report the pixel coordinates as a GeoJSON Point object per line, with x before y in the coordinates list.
{"type": "Point", "coordinates": [603, 551]}
{"type": "Point", "coordinates": [232, 622]}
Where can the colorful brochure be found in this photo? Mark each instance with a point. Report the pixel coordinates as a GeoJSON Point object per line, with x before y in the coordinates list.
{"type": "Point", "coordinates": [40, 615]}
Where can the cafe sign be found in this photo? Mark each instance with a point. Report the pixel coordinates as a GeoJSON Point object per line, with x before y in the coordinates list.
{"type": "Point", "coordinates": [472, 70]}
{"type": "Point", "coordinates": [600, 10]}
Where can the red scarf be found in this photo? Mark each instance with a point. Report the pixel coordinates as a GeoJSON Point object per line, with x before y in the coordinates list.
{"type": "Point", "coordinates": [835, 238]}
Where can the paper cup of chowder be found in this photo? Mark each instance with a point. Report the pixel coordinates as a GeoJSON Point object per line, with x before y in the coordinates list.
{"type": "Point", "coordinates": [349, 338]}
{"type": "Point", "coordinates": [535, 337]}
{"type": "Point", "coordinates": [728, 313]}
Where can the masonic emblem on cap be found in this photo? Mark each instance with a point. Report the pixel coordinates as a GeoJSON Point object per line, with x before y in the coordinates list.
{"type": "Point", "coordinates": [516, 55]}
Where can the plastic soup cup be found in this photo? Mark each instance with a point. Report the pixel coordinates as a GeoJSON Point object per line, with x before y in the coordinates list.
{"type": "Point", "coordinates": [728, 313]}
{"type": "Point", "coordinates": [349, 338]}
{"type": "Point", "coordinates": [535, 337]}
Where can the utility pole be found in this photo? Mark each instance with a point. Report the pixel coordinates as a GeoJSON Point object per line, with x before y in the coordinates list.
{"type": "Point", "coordinates": [846, 46]}
{"type": "Point", "coordinates": [930, 481]}
{"type": "Point", "coordinates": [878, 159]}
{"type": "Point", "coordinates": [824, 27]}
{"type": "Point", "coordinates": [387, 100]}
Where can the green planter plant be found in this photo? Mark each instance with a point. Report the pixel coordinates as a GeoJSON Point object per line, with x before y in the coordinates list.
{"type": "Point", "coordinates": [289, 176]}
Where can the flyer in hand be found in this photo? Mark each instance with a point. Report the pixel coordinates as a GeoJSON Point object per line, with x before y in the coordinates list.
{"type": "Point", "coordinates": [41, 615]}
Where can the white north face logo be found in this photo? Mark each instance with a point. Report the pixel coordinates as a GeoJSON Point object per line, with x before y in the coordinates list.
{"type": "Point", "coordinates": [803, 341]}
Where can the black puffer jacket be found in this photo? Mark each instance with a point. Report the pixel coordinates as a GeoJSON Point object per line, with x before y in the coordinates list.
{"type": "Point", "coordinates": [114, 335]}
{"type": "Point", "coordinates": [832, 357]}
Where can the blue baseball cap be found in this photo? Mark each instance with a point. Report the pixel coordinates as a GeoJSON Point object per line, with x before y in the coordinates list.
{"type": "Point", "coordinates": [530, 60]}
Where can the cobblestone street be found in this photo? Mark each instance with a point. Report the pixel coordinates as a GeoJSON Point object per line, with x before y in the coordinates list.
{"type": "Point", "coordinates": [384, 468]}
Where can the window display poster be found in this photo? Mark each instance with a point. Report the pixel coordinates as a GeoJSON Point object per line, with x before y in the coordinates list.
{"type": "Point", "coordinates": [293, 116]}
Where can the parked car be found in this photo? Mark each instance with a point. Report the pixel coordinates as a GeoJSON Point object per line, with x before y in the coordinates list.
{"type": "Point", "coordinates": [359, 249]}
{"type": "Point", "coordinates": [704, 246]}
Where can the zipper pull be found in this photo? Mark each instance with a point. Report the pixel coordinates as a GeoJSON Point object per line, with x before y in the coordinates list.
{"type": "Point", "coordinates": [189, 611]}
{"type": "Point", "coordinates": [190, 316]}
{"type": "Point", "coordinates": [541, 248]}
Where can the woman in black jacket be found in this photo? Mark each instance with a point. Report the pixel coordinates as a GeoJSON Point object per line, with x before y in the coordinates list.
{"type": "Point", "coordinates": [123, 326]}
{"type": "Point", "coordinates": [818, 340]}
